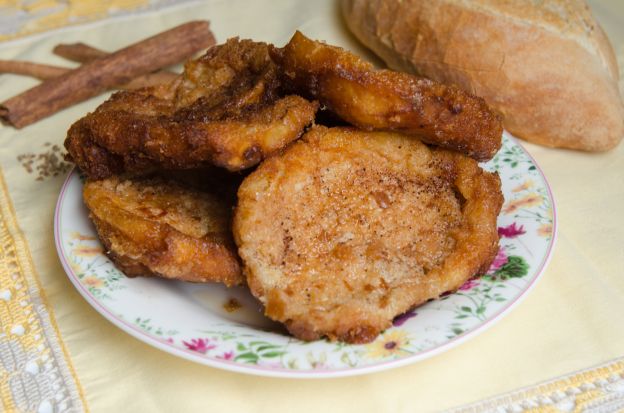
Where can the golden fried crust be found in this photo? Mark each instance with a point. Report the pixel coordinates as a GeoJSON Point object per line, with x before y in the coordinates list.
{"type": "Point", "coordinates": [224, 110]}
{"type": "Point", "coordinates": [347, 229]}
{"type": "Point", "coordinates": [157, 227]}
{"type": "Point", "coordinates": [386, 100]}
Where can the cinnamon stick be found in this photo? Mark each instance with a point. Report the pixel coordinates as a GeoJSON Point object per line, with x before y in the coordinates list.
{"type": "Point", "coordinates": [117, 68]}
{"type": "Point", "coordinates": [150, 79]}
{"type": "Point", "coordinates": [78, 52]}
{"type": "Point", "coordinates": [83, 53]}
{"type": "Point", "coordinates": [36, 70]}
{"type": "Point", "coordinates": [45, 72]}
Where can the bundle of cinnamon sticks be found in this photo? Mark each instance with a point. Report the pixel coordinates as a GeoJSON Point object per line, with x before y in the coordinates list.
{"type": "Point", "coordinates": [137, 65]}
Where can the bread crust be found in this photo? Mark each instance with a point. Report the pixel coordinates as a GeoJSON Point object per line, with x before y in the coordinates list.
{"type": "Point", "coordinates": [552, 75]}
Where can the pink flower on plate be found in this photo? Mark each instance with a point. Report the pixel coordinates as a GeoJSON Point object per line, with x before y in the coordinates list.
{"type": "Point", "coordinates": [473, 282]}
{"type": "Point", "coordinates": [228, 355]}
{"type": "Point", "coordinates": [511, 231]}
{"type": "Point", "coordinates": [200, 345]}
{"type": "Point", "coordinates": [500, 260]}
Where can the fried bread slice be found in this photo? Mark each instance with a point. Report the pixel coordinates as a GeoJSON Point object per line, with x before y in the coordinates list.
{"type": "Point", "coordinates": [224, 110]}
{"type": "Point", "coordinates": [157, 227]}
{"type": "Point", "coordinates": [372, 99]}
{"type": "Point", "coordinates": [348, 229]}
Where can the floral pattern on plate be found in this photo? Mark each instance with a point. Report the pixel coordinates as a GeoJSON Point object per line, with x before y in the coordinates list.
{"type": "Point", "coordinates": [225, 328]}
{"type": "Point", "coordinates": [89, 264]}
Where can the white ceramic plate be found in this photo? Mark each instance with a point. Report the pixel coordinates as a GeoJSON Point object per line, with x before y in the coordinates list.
{"type": "Point", "coordinates": [224, 328]}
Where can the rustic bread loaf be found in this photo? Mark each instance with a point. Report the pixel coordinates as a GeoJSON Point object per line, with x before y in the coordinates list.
{"type": "Point", "coordinates": [547, 66]}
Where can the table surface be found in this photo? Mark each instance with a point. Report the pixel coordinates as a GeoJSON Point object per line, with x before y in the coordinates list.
{"type": "Point", "coordinates": [56, 352]}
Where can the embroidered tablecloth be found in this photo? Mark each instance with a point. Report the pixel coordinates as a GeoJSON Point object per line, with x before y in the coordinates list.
{"type": "Point", "coordinates": [559, 350]}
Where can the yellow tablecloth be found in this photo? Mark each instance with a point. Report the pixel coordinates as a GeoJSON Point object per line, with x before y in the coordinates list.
{"type": "Point", "coordinates": [572, 320]}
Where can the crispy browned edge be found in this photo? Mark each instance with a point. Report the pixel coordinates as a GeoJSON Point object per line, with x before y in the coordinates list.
{"type": "Point", "coordinates": [222, 256]}
{"type": "Point", "coordinates": [378, 99]}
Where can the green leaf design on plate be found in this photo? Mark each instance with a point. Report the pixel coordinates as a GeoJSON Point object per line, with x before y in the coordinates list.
{"type": "Point", "coordinates": [515, 267]}
{"type": "Point", "coordinates": [272, 354]}
{"type": "Point", "coordinates": [247, 358]}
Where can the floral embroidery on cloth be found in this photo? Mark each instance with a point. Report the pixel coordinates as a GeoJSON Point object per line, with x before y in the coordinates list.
{"type": "Point", "coordinates": [595, 390]}
{"type": "Point", "coordinates": [35, 375]}
{"type": "Point", "coordinates": [24, 17]}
